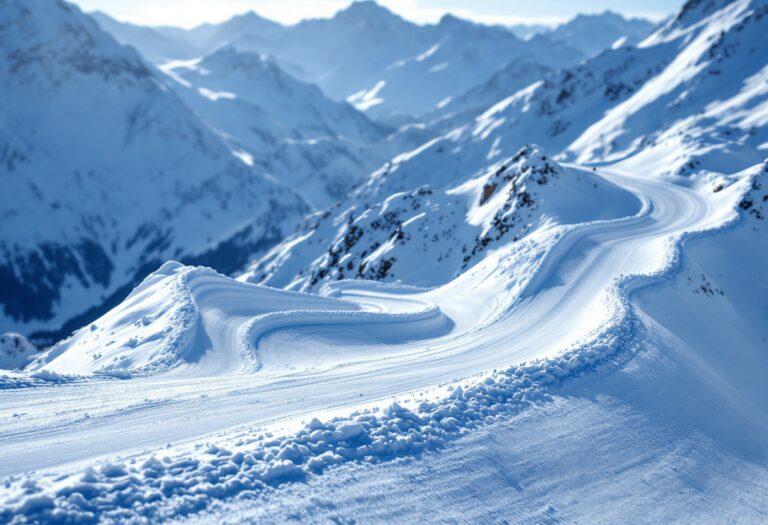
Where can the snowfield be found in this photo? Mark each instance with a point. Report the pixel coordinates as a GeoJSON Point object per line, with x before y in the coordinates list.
{"type": "Point", "coordinates": [229, 379]}
{"type": "Point", "coordinates": [555, 309]}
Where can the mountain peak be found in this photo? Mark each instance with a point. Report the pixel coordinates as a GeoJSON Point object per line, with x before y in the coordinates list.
{"type": "Point", "coordinates": [607, 14]}
{"type": "Point", "coordinates": [250, 21]}
{"type": "Point", "coordinates": [450, 20]}
{"type": "Point", "coordinates": [366, 10]}
{"type": "Point", "coordinates": [50, 39]}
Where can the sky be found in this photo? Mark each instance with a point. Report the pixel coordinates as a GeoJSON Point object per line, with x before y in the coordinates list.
{"type": "Point", "coordinates": [188, 13]}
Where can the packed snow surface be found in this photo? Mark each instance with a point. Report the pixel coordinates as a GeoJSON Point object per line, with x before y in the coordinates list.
{"type": "Point", "coordinates": [206, 353]}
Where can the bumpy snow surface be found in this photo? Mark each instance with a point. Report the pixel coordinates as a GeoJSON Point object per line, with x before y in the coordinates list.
{"type": "Point", "coordinates": [479, 333]}
{"type": "Point", "coordinates": [206, 353]}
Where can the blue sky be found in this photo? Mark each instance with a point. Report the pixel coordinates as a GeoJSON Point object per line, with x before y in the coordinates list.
{"type": "Point", "coordinates": [188, 13]}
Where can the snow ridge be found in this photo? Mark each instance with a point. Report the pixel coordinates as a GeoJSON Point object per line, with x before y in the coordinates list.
{"type": "Point", "coordinates": [155, 487]}
{"type": "Point", "coordinates": [136, 179]}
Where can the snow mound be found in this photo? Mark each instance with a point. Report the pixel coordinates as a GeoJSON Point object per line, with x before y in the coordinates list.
{"type": "Point", "coordinates": [148, 332]}
{"type": "Point", "coordinates": [193, 321]}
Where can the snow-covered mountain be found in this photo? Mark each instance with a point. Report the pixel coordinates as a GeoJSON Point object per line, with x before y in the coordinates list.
{"type": "Point", "coordinates": [430, 235]}
{"type": "Point", "coordinates": [632, 103]}
{"type": "Point", "coordinates": [707, 108]}
{"type": "Point", "coordinates": [150, 42]}
{"type": "Point", "coordinates": [248, 28]}
{"type": "Point", "coordinates": [592, 34]}
{"type": "Point", "coordinates": [366, 54]}
{"type": "Point", "coordinates": [698, 79]}
{"type": "Point", "coordinates": [456, 111]}
{"type": "Point", "coordinates": [110, 174]}
{"type": "Point", "coordinates": [599, 311]}
{"type": "Point", "coordinates": [282, 126]}
{"type": "Point", "coordinates": [454, 56]}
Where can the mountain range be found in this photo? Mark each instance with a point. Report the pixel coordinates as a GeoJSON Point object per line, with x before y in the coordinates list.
{"type": "Point", "coordinates": [542, 299]}
{"type": "Point", "coordinates": [110, 174]}
{"type": "Point", "coordinates": [254, 146]}
{"type": "Point", "coordinates": [680, 103]}
{"type": "Point", "coordinates": [281, 126]}
{"type": "Point", "coordinates": [396, 67]}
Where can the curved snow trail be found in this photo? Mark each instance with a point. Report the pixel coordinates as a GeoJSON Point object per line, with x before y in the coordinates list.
{"type": "Point", "coordinates": [280, 357]}
{"type": "Point", "coordinates": [236, 316]}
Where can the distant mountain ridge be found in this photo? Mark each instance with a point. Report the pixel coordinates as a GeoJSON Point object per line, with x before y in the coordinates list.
{"type": "Point", "coordinates": [594, 33]}
{"type": "Point", "coordinates": [690, 100]}
{"type": "Point", "coordinates": [366, 54]}
{"type": "Point", "coordinates": [110, 173]}
{"type": "Point", "coordinates": [280, 125]}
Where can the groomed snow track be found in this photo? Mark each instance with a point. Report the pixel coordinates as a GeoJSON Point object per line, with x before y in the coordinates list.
{"type": "Point", "coordinates": [260, 358]}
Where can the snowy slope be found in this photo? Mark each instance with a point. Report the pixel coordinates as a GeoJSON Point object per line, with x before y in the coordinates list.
{"type": "Point", "coordinates": [709, 106]}
{"type": "Point", "coordinates": [110, 173]}
{"type": "Point", "coordinates": [285, 127]}
{"type": "Point", "coordinates": [150, 42]}
{"type": "Point", "coordinates": [446, 230]}
{"type": "Point", "coordinates": [453, 112]}
{"type": "Point", "coordinates": [366, 54]}
{"type": "Point", "coordinates": [565, 311]}
{"type": "Point", "coordinates": [604, 363]}
{"type": "Point", "coordinates": [592, 34]}
{"type": "Point", "coordinates": [627, 87]}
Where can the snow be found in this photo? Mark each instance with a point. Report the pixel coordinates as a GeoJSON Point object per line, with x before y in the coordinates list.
{"type": "Point", "coordinates": [482, 330]}
{"type": "Point", "coordinates": [136, 178]}
{"type": "Point", "coordinates": [279, 125]}
{"type": "Point", "coordinates": [447, 229]}
{"type": "Point", "coordinates": [594, 325]}
{"type": "Point", "coordinates": [367, 55]}
{"type": "Point", "coordinates": [366, 99]}
{"type": "Point", "coordinates": [16, 351]}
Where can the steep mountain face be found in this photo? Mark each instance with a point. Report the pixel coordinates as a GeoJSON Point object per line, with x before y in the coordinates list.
{"type": "Point", "coordinates": [689, 99]}
{"type": "Point", "coordinates": [696, 88]}
{"type": "Point", "coordinates": [592, 34]}
{"type": "Point", "coordinates": [458, 55]}
{"type": "Point", "coordinates": [707, 109]}
{"type": "Point", "coordinates": [456, 111]}
{"type": "Point", "coordinates": [110, 174]}
{"type": "Point", "coordinates": [446, 229]}
{"type": "Point", "coordinates": [282, 126]}
{"type": "Point", "coordinates": [379, 62]}
{"type": "Point", "coordinates": [150, 42]}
